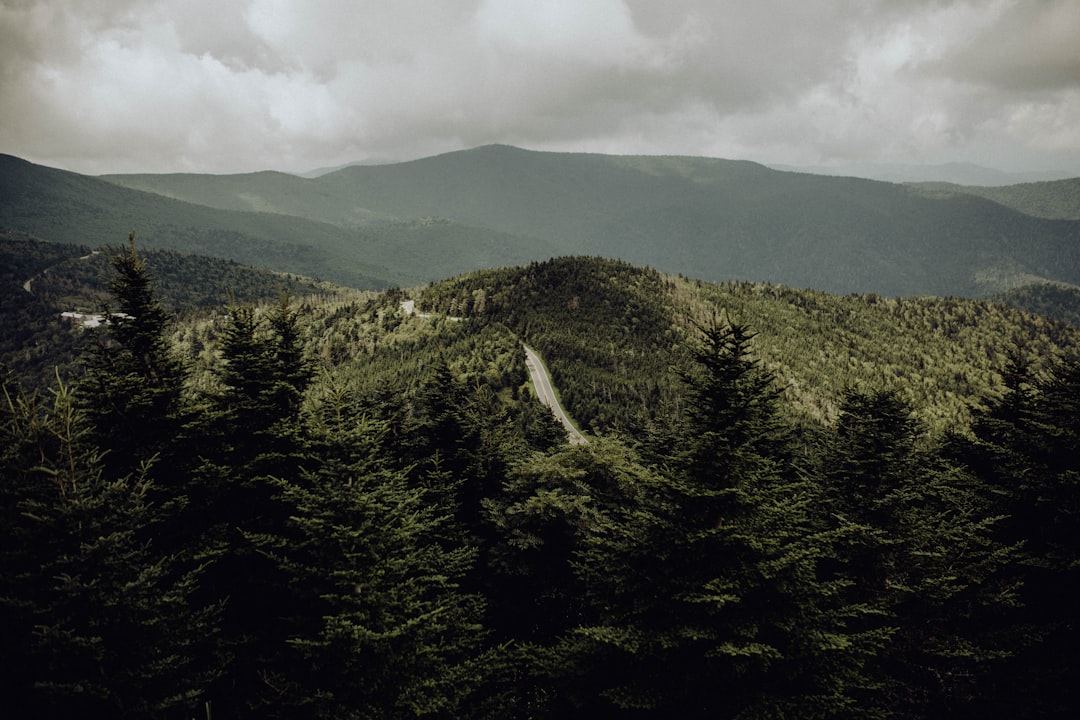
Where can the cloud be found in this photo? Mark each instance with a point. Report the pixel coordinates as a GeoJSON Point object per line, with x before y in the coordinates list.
{"type": "Point", "coordinates": [1028, 47]}
{"type": "Point", "coordinates": [206, 85]}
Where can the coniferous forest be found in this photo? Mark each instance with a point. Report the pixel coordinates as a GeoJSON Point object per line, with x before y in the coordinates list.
{"type": "Point", "coordinates": [324, 507]}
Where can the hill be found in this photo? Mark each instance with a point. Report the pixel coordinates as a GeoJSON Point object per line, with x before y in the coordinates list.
{"type": "Point", "coordinates": [960, 173]}
{"type": "Point", "coordinates": [706, 218]}
{"type": "Point", "coordinates": [611, 334]}
{"type": "Point", "coordinates": [1058, 199]}
{"type": "Point", "coordinates": [333, 505]}
{"type": "Point", "coordinates": [66, 207]}
{"type": "Point", "coordinates": [267, 219]}
{"type": "Point", "coordinates": [40, 280]}
{"type": "Point", "coordinates": [414, 222]}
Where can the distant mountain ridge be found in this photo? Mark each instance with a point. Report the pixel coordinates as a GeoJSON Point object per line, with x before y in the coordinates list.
{"type": "Point", "coordinates": [1055, 199]}
{"type": "Point", "coordinates": [498, 205]}
{"type": "Point", "coordinates": [958, 173]}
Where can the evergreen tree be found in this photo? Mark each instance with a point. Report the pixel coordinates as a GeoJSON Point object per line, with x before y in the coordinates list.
{"type": "Point", "coordinates": [1026, 448]}
{"type": "Point", "coordinates": [539, 597]}
{"type": "Point", "coordinates": [705, 591]}
{"type": "Point", "coordinates": [101, 618]}
{"type": "Point", "coordinates": [132, 392]}
{"type": "Point", "coordinates": [382, 628]}
{"type": "Point", "coordinates": [923, 579]}
{"type": "Point", "coordinates": [252, 443]}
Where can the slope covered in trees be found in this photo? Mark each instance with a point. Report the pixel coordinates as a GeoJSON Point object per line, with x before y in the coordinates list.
{"type": "Point", "coordinates": [612, 334]}
{"type": "Point", "coordinates": [65, 207]}
{"type": "Point", "coordinates": [711, 219]}
{"type": "Point", "coordinates": [40, 280]}
{"type": "Point", "coordinates": [1053, 199]}
{"type": "Point", "coordinates": [333, 509]}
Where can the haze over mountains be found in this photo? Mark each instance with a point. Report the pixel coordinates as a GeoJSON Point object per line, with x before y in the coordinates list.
{"type": "Point", "coordinates": [953, 172]}
{"type": "Point", "coordinates": [413, 222]}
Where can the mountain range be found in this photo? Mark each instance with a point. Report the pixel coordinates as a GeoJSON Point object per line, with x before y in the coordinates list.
{"type": "Point", "coordinates": [959, 173]}
{"type": "Point", "coordinates": [495, 206]}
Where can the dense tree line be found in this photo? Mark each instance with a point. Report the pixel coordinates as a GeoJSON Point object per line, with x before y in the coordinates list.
{"type": "Point", "coordinates": [614, 333]}
{"type": "Point", "coordinates": [39, 280]}
{"type": "Point", "coordinates": [396, 530]}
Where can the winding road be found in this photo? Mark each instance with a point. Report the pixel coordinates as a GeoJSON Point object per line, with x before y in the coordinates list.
{"type": "Point", "coordinates": [540, 380]}
{"type": "Point", "coordinates": [546, 393]}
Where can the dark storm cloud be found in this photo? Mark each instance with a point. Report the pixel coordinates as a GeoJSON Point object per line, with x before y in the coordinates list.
{"type": "Point", "coordinates": [211, 85]}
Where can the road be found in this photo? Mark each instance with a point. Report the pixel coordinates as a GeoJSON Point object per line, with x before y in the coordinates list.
{"type": "Point", "coordinates": [27, 285]}
{"type": "Point", "coordinates": [546, 393]}
{"type": "Point", "coordinates": [540, 381]}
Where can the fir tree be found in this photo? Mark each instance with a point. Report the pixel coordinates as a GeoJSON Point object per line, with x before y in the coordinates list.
{"type": "Point", "coordinates": [132, 392]}
{"type": "Point", "coordinates": [705, 588]}
{"type": "Point", "coordinates": [1025, 449]}
{"type": "Point", "coordinates": [104, 622]}
{"type": "Point", "coordinates": [383, 628]}
{"type": "Point", "coordinates": [923, 578]}
{"type": "Point", "coordinates": [252, 443]}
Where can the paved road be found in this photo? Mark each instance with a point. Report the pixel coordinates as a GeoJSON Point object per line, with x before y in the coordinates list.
{"type": "Point", "coordinates": [546, 393]}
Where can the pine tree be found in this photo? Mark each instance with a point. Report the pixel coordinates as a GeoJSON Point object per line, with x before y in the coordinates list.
{"type": "Point", "coordinates": [924, 581]}
{"type": "Point", "coordinates": [252, 444]}
{"type": "Point", "coordinates": [132, 392]}
{"type": "Point", "coordinates": [1025, 449]}
{"type": "Point", "coordinates": [382, 627]}
{"type": "Point", "coordinates": [102, 618]}
{"type": "Point", "coordinates": [707, 600]}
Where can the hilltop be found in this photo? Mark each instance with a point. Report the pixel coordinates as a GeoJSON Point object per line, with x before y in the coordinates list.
{"type": "Point", "coordinates": [609, 331]}
{"type": "Point", "coordinates": [611, 334]}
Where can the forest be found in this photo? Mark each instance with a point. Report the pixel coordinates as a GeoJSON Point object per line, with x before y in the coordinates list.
{"type": "Point", "coordinates": [403, 224]}
{"type": "Point", "coordinates": [792, 505]}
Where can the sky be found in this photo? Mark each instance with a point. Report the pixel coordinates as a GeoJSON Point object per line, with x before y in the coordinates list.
{"type": "Point", "coordinates": [220, 86]}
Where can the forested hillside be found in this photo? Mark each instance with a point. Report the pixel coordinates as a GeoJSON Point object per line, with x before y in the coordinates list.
{"type": "Point", "coordinates": [792, 505]}
{"type": "Point", "coordinates": [711, 219]}
{"type": "Point", "coordinates": [714, 220]}
{"type": "Point", "coordinates": [65, 207]}
{"type": "Point", "coordinates": [614, 333]}
{"type": "Point", "coordinates": [40, 280]}
{"type": "Point", "coordinates": [1054, 199]}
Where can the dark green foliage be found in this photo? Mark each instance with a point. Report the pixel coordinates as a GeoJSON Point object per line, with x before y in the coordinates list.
{"type": "Point", "coordinates": [134, 379]}
{"type": "Point", "coordinates": [1027, 450]}
{"type": "Point", "coordinates": [613, 335]}
{"type": "Point", "coordinates": [1060, 302]}
{"type": "Point", "coordinates": [1054, 199]}
{"type": "Point", "coordinates": [606, 326]}
{"type": "Point", "coordinates": [99, 619]}
{"type": "Point", "coordinates": [33, 340]}
{"type": "Point", "coordinates": [65, 207]}
{"type": "Point", "coordinates": [386, 631]}
{"type": "Point", "coordinates": [348, 511]}
{"type": "Point", "coordinates": [41, 280]}
{"type": "Point", "coordinates": [925, 583]}
{"type": "Point", "coordinates": [689, 587]}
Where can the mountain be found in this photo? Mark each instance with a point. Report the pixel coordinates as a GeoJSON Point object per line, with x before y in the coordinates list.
{"type": "Point", "coordinates": [711, 219]}
{"type": "Point", "coordinates": [1057, 199]}
{"type": "Point", "coordinates": [705, 218]}
{"type": "Point", "coordinates": [40, 280]}
{"type": "Point", "coordinates": [955, 172]}
{"type": "Point", "coordinates": [62, 206]}
{"type": "Point", "coordinates": [235, 217]}
{"type": "Point", "coordinates": [611, 335]}
{"type": "Point", "coordinates": [345, 510]}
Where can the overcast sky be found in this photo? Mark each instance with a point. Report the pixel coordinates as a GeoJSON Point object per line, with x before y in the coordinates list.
{"type": "Point", "coordinates": [101, 86]}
